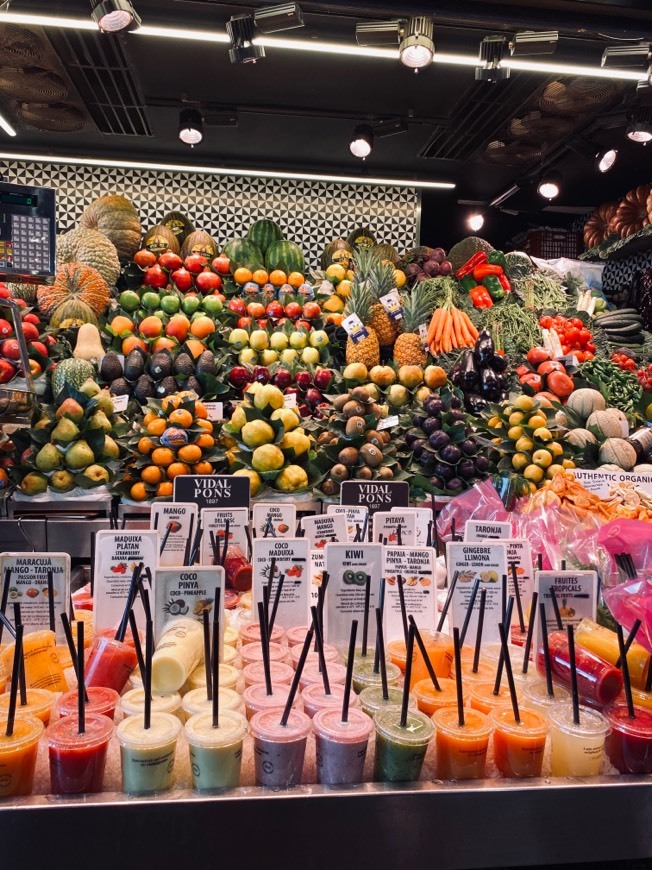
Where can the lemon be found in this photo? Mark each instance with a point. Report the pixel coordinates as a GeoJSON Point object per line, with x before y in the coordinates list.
{"type": "Point", "coordinates": [287, 417]}
{"type": "Point", "coordinates": [542, 433]}
{"type": "Point", "coordinates": [524, 403]}
{"type": "Point", "coordinates": [254, 477]}
{"type": "Point", "coordinates": [268, 395]}
{"type": "Point", "coordinates": [267, 457]}
{"type": "Point", "coordinates": [516, 417]}
{"type": "Point", "coordinates": [238, 418]}
{"type": "Point", "coordinates": [336, 272]}
{"type": "Point", "coordinates": [495, 423]}
{"type": "Point", "coordinates": [534, 474]}
{"type": "Point", "coordinates": [524, 444]}
{"type": "Point", "coordinates": [536, 421]}
{"type": "Point", "coordinates": [555, 448]}
{"type": "Point", "coordinates": [296, 441]}
{"type": "Point", "coordinates": [553, 470]}
{"type": "Point", "coordinates": [568, 463]}
{"type": "Point", "coordinates": [257, 432]}
{"type": "Point", "coordinates": [292, 478]}
{"type": "Point", "coordinates": [514, 433]}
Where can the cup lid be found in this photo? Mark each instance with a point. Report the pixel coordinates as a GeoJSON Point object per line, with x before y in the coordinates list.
{"type": "Point", "coordinates": [257, 693]}
{"type": "Point", "coordinates": [255, 672]}
{"type": "Point", "coordinates": [133, 701]}
{"type": "Point", "coordinates": [200, 732]}
{"type": "Point", "coordinates": [266, 725]}
{"type": "Point", "coordinates": [532, 721]}
{"type": "Point", "coordinates": [195, 701]}
{"type": "Point", "coordinates": [328, 724]}
{"type": "Point", "coordinates": [64, 733]}
{"type": "Point", "coordinates": [476, 724]}
{"type": "Point", "coordinates": [100, 699]}
{"type": "Point", "coordinates": [425, 689]}
{"type": "Point", "coordinates": [164, 728]}
{"type": "Point", "coordinates": [591, 721]}
{"type": "Point", "coordinates": [316, 694]}
{"type": "Point", "coordinates": [27, 729]}
{"type": "Point", "coordinates": [417, 730]}
{"type": "Point", "coordinates": [640, 726]}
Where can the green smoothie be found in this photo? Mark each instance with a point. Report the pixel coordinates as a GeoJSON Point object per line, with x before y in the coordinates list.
{"type": "Point", "coordinates": [216, 753]}
{"type": "Point", "coordinates": [400, 750]}
{"type": "Point", "coordinates": [147, 754]}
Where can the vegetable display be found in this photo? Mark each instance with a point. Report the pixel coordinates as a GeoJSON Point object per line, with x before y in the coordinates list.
{"type": "Point", "coordinates": [481, 374]}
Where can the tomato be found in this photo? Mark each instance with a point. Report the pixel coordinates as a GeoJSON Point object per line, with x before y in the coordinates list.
{"type": "Point", "coordinates": [538, 355]}
{"type": "Point", "coordinates": [532, 380]}
{"type": "Point", "coordinates": [571, 336]}
{"type": "Point", "coordinates": [546, 321]}
{"type": "Point", "coordinates": [576, 321]}
{"type": "Point", "coordinates": [585, 337]}
{"type": "Point", "coordinates": [580, 356]}
{"type": "Point", "coordinates": [590, 346]}
{"type": "Point", "coordinates": [550, 366]}
{"type": "Point", "coordinates": [560, 384]}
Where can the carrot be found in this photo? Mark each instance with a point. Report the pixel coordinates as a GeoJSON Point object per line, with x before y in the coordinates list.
{"type": "Point", "coordinates": [456, 336]}
{"type": "Point", "coordinates": [440, 326]}
{"type": "Point", "coordinates": [466, 335]}
{"type": "Point", "coordinates": [432, 326]}
{"type": "Point", "coordinates": [446, 343]}
{"type": "Point", "coordinates": [473, 332]}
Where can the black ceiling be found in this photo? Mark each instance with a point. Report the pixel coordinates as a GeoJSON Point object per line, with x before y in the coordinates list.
{"type": "Point", "coordinates": [296, 110]}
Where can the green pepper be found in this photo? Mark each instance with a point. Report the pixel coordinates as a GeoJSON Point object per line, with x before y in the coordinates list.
{"type": "Point", "coordinates": [497, 258]}
{"type": "Point", "coordinates": [468, 282]}
{"type": "Point", "coordinates": [493, 285]}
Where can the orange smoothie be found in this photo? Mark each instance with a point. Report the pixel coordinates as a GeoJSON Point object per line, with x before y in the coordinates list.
{"type": "Point", "coordinates": [461, 749]}
{"type": "Point", "coordinates": [18, 755]}
{"type": "Point", "coordinates": [429, 700]}
{"type": "Point", "coordinates": [40, 703]}
{"type": "Point", "coordinates": [519, 746]}
{"type": "Point", "coordinates": [42, 667]}
{"type": "Point", "coordinates": [482, 698]}
{"type": "Point", "coordinates": [440, 653]}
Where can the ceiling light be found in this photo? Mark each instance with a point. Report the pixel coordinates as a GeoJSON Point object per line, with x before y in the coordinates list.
{"type": "Point", "coordinates": [378, 33]}
{"type": "Point", "coordinates": [362, 141]}
{"type": "Point", "coordinates": [475, 222]}
{"type": "Point", "coordinates": [640, 125]}
{"type": "Point", "coordinates": [549, 186]}
{"type": "Point", "coordinates": [191, 126]}
{"type": "Point", "coordinates": [530, 42]}
{"type": "Point", "coordinates": [636, 56]}
{"type": "Point", "coordinates": [115, 16]}
{"type": "Point", "coordinates": [275, 19]}
{"type": "Point", "coordinates": [417, 48]}
{"type": "Point", "coordinates": [241, 33]}
{"type": "Point", "coordinates": [573, 69]}
{"type": "Point", "coordinates": [605, 160]}
{"type": "Point", "coordinates": [492, 49]}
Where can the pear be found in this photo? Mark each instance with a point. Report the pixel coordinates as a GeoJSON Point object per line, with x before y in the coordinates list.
{"type": "Point", "coordinates": [48, 458]}
{"type": "Point", "coordinates": [104, 402]}
{"type": "Point", "coordinates": [97, 473]}
{"type": "Point", "coordinates": [71, 408]}
{"type": "Point", "coordinates": [79, 455]}
{"type": "Point", "coordinates": [90, 388]}
{"type": "Point", "coordinates": [62, 481]}
{"type": "Point", "coordinates": [65, 431]}
{"type": "Point", "coordinates": [34, 483]}
{"type": "Point", "coordinates": [99, 420]}
{"type": "Point", "coordinates": [43, 423]}
{"type": "Point", "coordinates": [111, 449]}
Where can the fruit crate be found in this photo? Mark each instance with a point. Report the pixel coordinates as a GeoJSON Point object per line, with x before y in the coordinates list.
{"type": "Point", "coordinates": [549, 243]}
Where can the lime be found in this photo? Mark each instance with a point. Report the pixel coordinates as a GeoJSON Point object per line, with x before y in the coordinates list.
{"type": "Point", "coordinates": [170, 304]}
{"type": "Point", "coordinates": [212, 304]}
{"type": "Point", "coordinates": [151, 300]}
{"type": "Point", "coordinates": [190, 304]}
{"type": "Point", "coordinates": [129, 300]}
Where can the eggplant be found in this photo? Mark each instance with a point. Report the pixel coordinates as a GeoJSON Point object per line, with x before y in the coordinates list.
{"type": "Point", "coordinates": [468, 374]}
{"type": "Point", "coordinates": [484, 349]}
{"type": "Point", "coordinates": [475, 403]}
{"type": "Point", "coordinates": [498, 362]}
{"type": "Point", "coordinates": [489, 387]}
{"type": "Point", "coordinates": [455, 375]}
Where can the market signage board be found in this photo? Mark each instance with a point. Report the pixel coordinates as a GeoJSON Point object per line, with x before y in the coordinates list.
{"type": "Point", "coordinates": [187, 591]}
{"type": "Point", "coordinates": [212, 490]}
{"type": "Point", "coordinates": [357, 519]}
{"type": "Point", "coordinates": [599, 480]}
{"type": "Point", "coordinates": [376, 495]}
{"type": "Point", "coordinates": [324, 529]}
{"type": "Point", "coordinates": [488, 562]}
{"type": "Point", "coordinates": [179, 518]}
{"type": "Point", "coordinates": [423, 523]}
{"type": "Point", "coordinates": [274, 520]}
{"type": "Point", "coordinates": [292, 558]}
{"type": "Point", "coordinates": [317, 566]}
{"type": "Point", "coordinates": [117, 554]}
{"type": "Point", "coordinates": [348, 566]}
{"type": "Point", "coordinates": [576, 593]}
{"type": "Point", "coordinates": [480, 530]}
{"type": "Point", "coordinates": [28, 586]}
{"type": "Point", "coordinates": [214, 520]}
{"type": "Point", "coordinates": [395, 528]}
{"type": "Point", "coordinates": [519, 554]}
{"type": "Point", "coordinates": [415, 566]}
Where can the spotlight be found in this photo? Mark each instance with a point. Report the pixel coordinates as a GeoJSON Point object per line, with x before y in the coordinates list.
{"type": "Point", "coordinates": [640, 125]}
{"type": "Point", "coordinates": [529, 42]}
{"type": "Point", "coordinates": [191, 126]}
{"type": "Point", "coordinates": [606, 160]}
{"type": "Point", "coordinates": [274, 19]}
{"type": "Point", "coordinates": [492, 49]}
{"type": "Point", "coordinates": [475, 222]}
{"type": "Point", "coordinates": [240, 29]}
{"type": "Point", "coordinates": [115, 16]}
{"type": "Point", "coordinates": [550, 185]}
{"type": "Point", "coordinates": [362, 142]}
{"type": "Point", "coordinates": [417, 48]}
{"type": "Point", "coordinates": [378, 34]}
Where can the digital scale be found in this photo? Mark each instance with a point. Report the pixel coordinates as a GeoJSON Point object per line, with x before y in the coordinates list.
{"type": "Point", "coordinates": [27, 233]}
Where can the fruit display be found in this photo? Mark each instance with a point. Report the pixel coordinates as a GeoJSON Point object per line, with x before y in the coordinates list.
{"type": "Point", "coordinates": [306, 386]}
{"type": "Point", "coordinates": [174, 436]}
{"type": "Point", "coordinates": [545, 375]}
{"type": "Point", "coordinates": [481, 374]}
{"type": "Point", "coordinates": [565, 336]}
{"type": "Point", "coordinates": [623, 328]}
{"type": "Point", "coordinates": [40, 345]}
{"type": "Point", "coordinates": [620, 388]}
{"type": "Point", "coordinates": [116, 218]}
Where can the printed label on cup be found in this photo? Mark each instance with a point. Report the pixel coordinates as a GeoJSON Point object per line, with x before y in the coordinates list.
{"type": "Point", "coordinates": [28, 586]}
{"type": "Point", "coordinates": [187, 592]}
{"type": "Point", "coordinates": [173, 520]}
{"type": "Point", "coordinates": [274, 520]}
{"type": "Point", "coordinates": [324, 529]}
{"type": "Point", "coordinates": [415, 570]}
{"type": "Point", "coordinates": [291, 557]}
{"type": "Point", "coordinates": [488, 562]}
{"type": "Point", "coordinates": [348, 567]}
{"type": "Point", "coordinates": [214, 520]}
{"type": "Point", "coordinates": [117, 555]}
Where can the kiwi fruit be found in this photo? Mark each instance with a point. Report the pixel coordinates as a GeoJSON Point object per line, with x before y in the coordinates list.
{"type": "Point", "coordinates": [371, 455]}
{"type": "Point", "coordinates": [384, 473]}
{"type": "Point", "coordinates": [340, 401]}
{"type": "Point", "coordinates": [355, 426]}
{"type": "Point", "coordinates": [324, 438]}
{"type": "Point", "coordinates": [348, 456]}
{"type": "Point", "coordinates": [377, 411]}
{"type": "Point", "coordinates": [340, 472]}
{"type": "Point", "coordinates": [385, 436]}
{"type": "Point", "coordinates": [364, 473]}
{"type": "Point", "coordinates": [330, 487]}
{"type": "Point", "coordinates": [373, 437]}
{"type": "Point", "coordinates": [353, 409]}
{"type": "Point", "coordinates": [360, 394]}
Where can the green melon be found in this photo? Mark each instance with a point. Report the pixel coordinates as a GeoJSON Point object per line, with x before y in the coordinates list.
{"type": "Point", "coordinates": [264, 233]}
{"type": "Point", "coordinates": [361, 237]}
{"type": "Point", "coordinates": [179, 224]}
{"type": "Point", "coordinates": [519, 265]}
{"type": "Point", "coordinates": [286, 256]}
{"type": "Point", "coordinates": [386, 252]}
{"type": "Point", "coordinates": [337, 251]}
{"type": "Point", "coordinates": [73, 372]}
{"type": "Point", "coordinates": [243, 252]}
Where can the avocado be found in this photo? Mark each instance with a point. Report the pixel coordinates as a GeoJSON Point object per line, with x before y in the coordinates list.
{"type": "Point", "coordinates": [110, 367]}
{"type": "Point", "coordinates": [144, 389]}
{"type": "Point", "coordinates": [206, 364]}
{"type": "Point", "coordinates": [135, 365]}
{"type": "Point", "coordinates": [165, 387]}
{"type": "Point", "coordinates": [183, 365]}
{"type": "Point", "coordinates": [161, 366]}
{"type": "Point", "coordinates": [120, 387]}
{"type": "Point", "coordinates": [193, 384]}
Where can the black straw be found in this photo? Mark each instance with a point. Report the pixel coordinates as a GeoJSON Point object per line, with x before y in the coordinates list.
{"type": "Point", "coordinates": [555, 607]}
{"type": "Point", "coordinates": [408, 678]}
{"type": "Point", "coordinates": [149, 652]}
{"type": "Point", "coordinates": [349, 671]}
{"type": "Point", "coordinates": [365, 621]}
{"type": "Point", "coordinates": [22, 679]}
{"type": "Point", "coordinates": [401, 599]}
{"type": "Point", "coordinates": [81, 702]}
{"type": "Point", "coordinates": [53, 626]}
{"type": "Point", "coordinates": [469, 610]}
{"type": "Point", "coordinates": [72, 649]}
{"type": "Point", "coordinates": [216, 657]}
{"type": "Point", "coordinates": [207, 656]}
{"type": "Point", "coordinates": [508, 667]}
{"type": "Point", "coordinates": [137, 644]}
{"type": "Point", "coordinates": [447, 603]}
{"type": "Point", "coordinates": [265, 647]}
{"type": "Point", "coordinates": [630, 639]}
{"type": "Point", "coordinates": [15, 680]}
{"type": "Point", "coordinates": [458, 677]}
{"type": "Point", "coordinates": [530, 630]}
{"type": "Point", "coordinates": [573, 669]}
{"type": "Point", "coordinates": [626, 680]}
{"type": "Point", "coordinates": [380, 651]}
{"type": "Point", "coordinates": [320, 649]}
{"type": "Point", "coordinates": [517, 597]}
{"type": "Point", "coordinates": [478, 636]}
{"type": "Point", "coordinates": [546, 649]}
{"type": "Point", "coordinates": [424, 653]}
{"type": "Point", "coordinates": [277, 600]}
{"type": "Point", "coordinates": [501, 658]}
{"type": "Point", "coordinates": [131, 595]}
{"type": "Point", "coordinates": [297, 676]}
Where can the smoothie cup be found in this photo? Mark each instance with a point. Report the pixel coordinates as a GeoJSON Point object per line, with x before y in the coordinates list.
{"type": "Point", "coordinates": [178, 652]}
{"type": "Point", "coordinates": [229, 677]}
{"type": "Point", "coordinates": [429, 700]}
{"type": "Point", "coordinates": [314, 699]}
{"type": "Point", "coordinates": [230, 636]}
{"type": "Point", "coordinates": [253, 652]}
{"type": "Point", "coordinates": [311, 674]}
{"type": "Point", "coordinates": [147, 754]}
{"type": "Point", "coordinates": [484, 673]}
{"type": "Point", "coordinates": [604, 643]}
{"type": "Point", "coordinates": [461, 749]}
{"type": "Point", "coordinates": [40, 703]}
{"type": "Point", "coordinates": [77, 761]}
{"type": "Point", "coordinates": [110, 663]}
{"type": "Point", "coordinates": [439, 648]}
{"type": "Point", "coordinates": [341, 746]}
{"type": "Point", "coordinates": [371, 699]}
{"type": "Point", "coordinates": [42, 667]}
{"type": "Point", "coordinates": [576, 750]}
{"type": "Point", "coordinates": [132, 703]}
{"type": "Point", "coordinates": [197, 702]}
{"type": "Point", "coordinates": [535, 695]}
{"type": "Point", "coordinates": [482, 698]}
{"type": "Point", "coordinates": [363, 674]}
{"type": "Point", "coordinates": [256, 699]}
{"type": "Point", "coordinates": [18, 755]}
{"type": "Point", "coordinates": [400, 751]}
{"type": "Point", "coordinates": [641, 698]}
{"type": "Point", "coordinates": [4, 678]}
{"type": "Point", "coordinates": [250, 633]}
{"type": "Point", "coordinates": [100, 700]}
{"type": "Point", "coordinates": [629, 745]}
{"type": "Point", "coordinates": [216, 753]}
{"type": "Point", "coordinates": [491, 655]}
{"type": "Point", "coordinates": [598, 682]}
{"type": "Point", "coordinates": [281, 674]}
{"type": "Point", "coordinates": [330, 655]}
{"type": "Point", "coordinates": [279, 750]}
{"type": "Point", "coordinates": [519, 746]}
{"type": "Point", "coordinates": [296, 636]}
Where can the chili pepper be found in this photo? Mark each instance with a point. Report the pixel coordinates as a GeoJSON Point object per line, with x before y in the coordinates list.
{"type": "Point", "coordinates": [469, 266]}
{"type": "Point", "coordinates": [493, 285]}
{"type": "Point", "coordinates": [505, 283]}
{"type": "Point", "coordinates": [481, 297]}
{"type": "Point", "coordinates": [480, 272]}
{"type": "Point", "coordinates": [497, 258]}
{"type": "Point", "coordinates": [468, 283]}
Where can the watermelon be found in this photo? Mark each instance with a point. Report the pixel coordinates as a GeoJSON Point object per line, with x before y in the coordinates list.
{"type": "Point", "coordinates": [286, 256]}
{"type": "Point", "coordinates": [243, 252]}
{"type": "Point", "coordinates": [337, 251]}
{"type": "Point", "coordinates": [73, 372]}
{"type": "Point", "coordinates": [263, 233]}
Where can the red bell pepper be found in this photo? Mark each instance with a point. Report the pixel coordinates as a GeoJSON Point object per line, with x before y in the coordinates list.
{"type": "Point", "coordinates": [505, 283]}
{"type": "Point", "coordinates": [481, 297]}
{"type": "Point", "coordinates": [483, 269]}
{"type": "Point", "coordinates": [469, 266]}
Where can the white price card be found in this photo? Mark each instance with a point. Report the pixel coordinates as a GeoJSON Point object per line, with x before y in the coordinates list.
{"type": "Point", "coordinates": [188, 592]}
{"type": "Point", "coordinates": [348, 567]}
{"type": "Point", "coordinates": [480, 530]}
{"type": "Point", "coordinates": [576, 593]}
{"type": "Point", "coordinates": [174, 521]}
{"type": "Point", "coordinates": [120, 403]}
{"type": "Point", "coordinates": [324, 529]}
{"type": "Point", "coordinates": [215, 411]}
{"type": "Point", "coordinates": [214, 520]}
{"type": "Point", "coordinates": [357, 520]}
{"type": "Point", "coordinates": [519, 554]}
{"type": "Point", "coordinates": [117, 555]}
{"type": "Point", "coordinates": [423, 517]}
{"type": "Point", "coordinates": [292, 559]}
{"type": "Point", "coordinates": [317, 565]}
{"type": "Point", "coordinates": [396, 528]}
{"type": "Point", "coordinates": [274, 520]}
{"type": "Point", "coordinates": [27, 576]}
{"type": "Point", "coordinates": [488, 563]}
{"type": "Point", "coordinates": [414, 569]}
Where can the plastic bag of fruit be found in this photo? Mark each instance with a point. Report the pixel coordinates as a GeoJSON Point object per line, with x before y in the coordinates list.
{"type": "Point", "coordinates": [481, 502]}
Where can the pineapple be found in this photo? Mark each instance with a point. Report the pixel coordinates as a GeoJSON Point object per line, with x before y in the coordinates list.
{"type": "Point", "coordinates": [417, 308]}
{"type": "Point", "coordinates": [366, 351]}
{"type": "Point", "coordinates": [379, 278]}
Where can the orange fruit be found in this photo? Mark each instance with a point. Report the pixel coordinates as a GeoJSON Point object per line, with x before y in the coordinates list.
{"type": "Point", "coordinates": [203, 467]}
{"type": "Point", "coordinates": [170, 402]}
{"type": "Point", "coordinates": [295, 279]}
{"type": "Point", "coordinates": [242, 275]}
{"type": "Point", "coordinates": [202, 327]}
{"type": "Point", "coordinates": [149, 416]}
{"type": "Point", "coordinates": [200, 411]}
{"type": "Point", "coordinates": [260, 276]}
{"type": "Point", "coordinates": [152, 474]}
{"type": "Point", "coordinates": [205, 424]}
{"type": "Point", "coordinates": [205, 441]}
{"type": "Point", "coordinates": [335, 318]}
{"type": "Point", "coordinates": [189, 453]}
{"type": "Point", "coordinates": [278, 278]}
{"type": "Point", "coordinates": [177, 468]}
{"type": "Point", "coordinates": [121, 324]}
{"type": "Point", "coordinates": [164, 489]}
{"type": "Point", "coordinates": [145, 445]}
{"type": "Point", "coordinates": [150, 327]}
{"type": "Point", "coordinates": [163, 456]}
{"type": "Point", "coordinates": [157, 426]}
{"type": "Point", "coordinates": [163, 343]}
{"type": "Point", "coordinates": [131, 343]}
{"type": "Point", "coordinates": [195, 347]}
{"type": "Point", "coordinates": [180, 417]}
{"type": "Point", "coordinates": [138, 491]}
{"type": "Point", "coordinates": [178, 327]}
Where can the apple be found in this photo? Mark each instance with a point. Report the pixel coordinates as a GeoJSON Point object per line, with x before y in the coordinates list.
{"type": "Point", "coordinates": [6, 329]}
{"type": "Point", "coordinates": [274, 310]}
{"type": "Point", "coordinates": [305, 410]}
{"type": "Point", "coordinates": [261, 374]}
{"type": "Point", "coordinates": [182, 279]}
{"type": "Point", "coordinates": [238, 306]}
{"type": "Point", "coordinates": [278, 341]}
{"type": "Point", "coordinates": [170, 261]}
{"type": "Point", "coordinates": [221, 264]}
{"type": "Point", "coordinates": [303, 380]}
{"type": "Point", "coordinates": [208, 282]}
{"type": "Point", "coordinates": [288, 356]}
{"type": "Point", "coordinates": [268, 357]}
{"type": "Point", "coordinates": [39, 347]}
{"type": "Point", "coordinates": [212, 304]}
{"type": "Point", "coordinates": [298, 340]}
{"type": "Point", "coordinates": [31, 318]}
{"type": "Point", "coordinates": [244, 322]}
{"type": "Point", "coordinates": [155, 277]}
{"type": "Point", "coordinates": [238, 376]}
{"type": "Point", "coordinates": [293, 310]}
{"type": "Point", "coordinates": [282, 378]}
{"type": "Point", "coordinates": [5, 292]}
{"type": "Point", "coordinates": [7, 371]}
{"type": "Point", "coordinates": [318, 338]}
{"type": "Point", "coordinates": [10, 349]}
{"type": "Point", "coordinates": [256, 310]}
{"type": "Point", "coordinates": [311, 311]}
{"type": "Point", "coordinates": [247, 357]}
{"type": "Point", "coordinates": [259, 339]}
{"type": "Point", "coordinates": [195, 263]}
{"type": "Point", "coordinates": [322, 378]}
{"type": "Point", "coordinates": [310, 356]}
{"type": "Point", "coordinates": [29, 331]}
{"type": "Point", "coordinates": [294, 391]}
{"type": "Point", "coordinates": [313, 396]}
{"type": "Point", "coordinates": [238, 338]}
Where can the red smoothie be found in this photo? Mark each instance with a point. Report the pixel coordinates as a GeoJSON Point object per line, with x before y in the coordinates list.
{"type": "Point", "coordinates": [598, 682]}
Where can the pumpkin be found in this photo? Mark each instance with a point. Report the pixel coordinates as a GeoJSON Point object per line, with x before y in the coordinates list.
{"type": "Point", "coordinates": [581, 438]}
{"type": "Point", "coordinates": [179, 225]}
{"type": "Point", "coordinates": [606, 423]}
{"type": "Point", "coordinates": [89, 343]}
{"type": "Point", "coordinates": [78, 282]}
{"type": "Point", "coordinates": [386, 252]}
{"type": "Point", "coordinates": [91, 248]}
{"type": "Point", "coordinates": [200, 242]}
{"type": "Point", "coordinates": [160, 239]}
{"type": "Point", "coordinates": [27, 292]}
{"type": "Point", "coordinates": [72, 313]}
{"type": "Point", "coordinates": [117, 218]}
{"type": "Point", "coordinates": [643, 468]}
{"type": "Point", "coordinates": [584, 402]}
{"type": "Point", "coordinates": [596, 229]}
{"type": "Point", "coordinates": [617, 451]}
{"type": "Point", "coordinates": [337, 251]}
